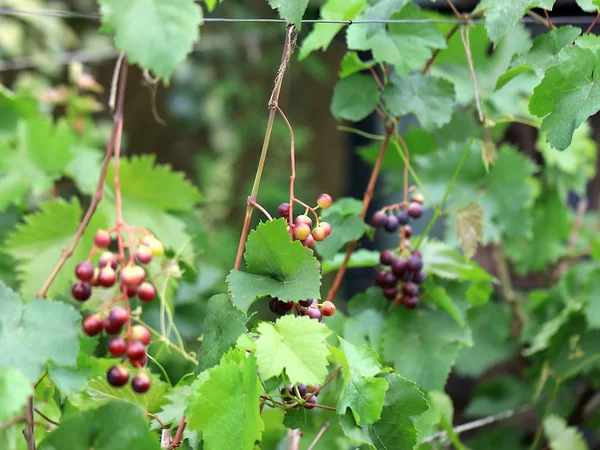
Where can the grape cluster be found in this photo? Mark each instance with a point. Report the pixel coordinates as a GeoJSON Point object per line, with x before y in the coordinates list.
{"type": "Point", "coordinates": [302, 227]}
{"type": "Point", "coordinates": [301, 395]}
{"type": "Point", "coordinates": [112, 268]}
{"type": "Point", "coordinates": [306, 307]}
{"type": "Point", "coordinates": [401, 281]}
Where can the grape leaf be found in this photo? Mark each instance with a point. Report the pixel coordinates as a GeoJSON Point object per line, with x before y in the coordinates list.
{"type": "Point", "coordinates": [14, 390]}
{"type": "Point", "coordinates": [561, 436]}
{"type": "Point", "coordinates": [38, 242]}
{"type": "Point", "coordinates": [323, 33]}
{"type": "Point", "coordinates": [366, 327]}
{"type": "Point", "coordinates": [362, 392]}
{"type": "Point", "coordinates": [500, 17]}
{"type": "Point", "coordinates": [15, 106]}
{"type": "Point", "coordinates": [75, 379]}
{"type": "Point", "coordinates": [295, 418]}
{"type": "Point", "coordinates": [276, 267]}
{"type": "Point", "coordinates": [359, 258]}
{"type": "Point", "coordinates": [589, 5]}
{"type": "Point", "coordinates": [352, 64]}
{"type": "Point", "coordinates": [347, 226]}
{"type": "Point", "coordinates": [156, 34]}
{"type": "Point", "coordinates": [423, 345]}
{"type": "Point", "coordinates": [290, 10]}
{"type": "Point", "coordinates": [225, 404]}
{"type": "Point", "coordinates": [223, 324]}
{"type": "Point", "coordinates": [543, 54]}
{"type": "Point", "coordinates": [405, 45]}
{"type": "Point", "coordinates": [430, 99]}
{"type": "Point", "coordinates": [442, 260]}
{"type": "Point", "coordinates": [469, 228]}
{"type": "Point", "coordinates": [114, 426]}
{"type": "Point", "coordinates": [34, 333]}
{"type": "Point", "coordinates": [355, 97]}
{"type": "Point", "coordinates": [42, 154]}
{"type": "Point", "coordinates": [396, 430]}
{"type": "Point", "coordinates": [282, 345]}
{"type": "Point", "coordinates": [437, 295]}
{"type": "Point", "coordinates": [567, 95]}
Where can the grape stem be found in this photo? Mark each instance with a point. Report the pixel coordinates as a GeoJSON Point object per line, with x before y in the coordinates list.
{"type": "Point", "coordinates": [288, 48]}
{"type": "Point", "coordinates": [116, 132]}
{"type": "Point", "coordinates": [176, 442]}
{"type": "Point", "coordinates": [318, 436]}
{"type": "Point", "coordinates": [29, 430]}
{"type": "Point", "coordinates": [260, 208]}
{"type": "Point", "coordinates": [293, 170]}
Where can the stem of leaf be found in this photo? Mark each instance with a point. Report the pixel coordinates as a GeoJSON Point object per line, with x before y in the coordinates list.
{"type": "Point", "coordinates": [176, 442]}
{"type": "Point", "coordinates": [540, 428]}
{"type": "Point", "coordinates": [288, 49]}
{"type": "Point", "coordinates": [293, 169]}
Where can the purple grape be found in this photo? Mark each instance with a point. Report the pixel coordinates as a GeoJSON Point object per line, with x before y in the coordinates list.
{"type": "Point", "coordinates": [389, 280]}
{"type": "Point", "coordinates": [411, 289]}
{"type": "Point", "coordinates": [407, 230]}
{"type": "Point", "coordinates": [399, 266]}
{"type": "Point", "coordinates": [302, 390]}
{"type": "Point", "coordinates": [415, 210]}
{"type": "Point", "coordinates": [314, 313]}
{"type": "Point", "coordinates": [390, 293]}
{"type": "Point", "coordinates": [386, 257]}
{"type": "Point", "coordinates": [415, 263]}
{"type": "Point", "coordinates": [407, 276]}
{"type": "Point", "coordinates": [379, 280]}
{"type": "Point", "coordinates": [403, 218]}
{"type": "Point", "coordinates": [420, 277]}
{"type": "Point", "coordinates": [379, 219]}
{"type": "Point", "coordinates": [306, 303]}
{"type": "Point", "coordinates": [392, 224]}
{"type": "Point", "coordinates": [411, 302]}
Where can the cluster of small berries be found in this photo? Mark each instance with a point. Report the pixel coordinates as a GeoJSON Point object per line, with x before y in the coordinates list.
{"type": "Point", "coordinates": [132, 345]}
{"type": "Point", "coordinates": [301, 228]}
{"type": "Point", "coordinates": [301, 395]}
{"type": "Point", "coordinates": [306, 307]}
{"type": "Point", "coordinates": [401, 281]}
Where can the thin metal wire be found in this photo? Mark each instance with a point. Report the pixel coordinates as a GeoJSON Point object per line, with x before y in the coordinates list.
{"type": "Point", "coordinates": [581, 20]}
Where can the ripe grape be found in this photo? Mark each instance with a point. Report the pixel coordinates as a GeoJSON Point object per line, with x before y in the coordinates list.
{"type": "Point", "coordinates": [311, 401]}
{"type": "Point", "coordinates": [110, 327]}
{"type": "Point", "coordinates": [302, 218]}
{"type": "Point", "coordinates": [102, 239]}
{"type": "Point", "coordinates": [108, 259]}
{"type": "Point", "coordinates": [403, 218]}
{"type": "Point", "coordinates": [407, 231]}
{"type": "Point", "coordinates": [314, 313]}
{"type": "Point", "coordinates": [328, 308]}
{"type": "Point", "coordinates": [379, 219]}
{"type": "Point", "coordinates": [411, 289]}
{"type": "Point", "coordinates": [420, 277]}
{"type": "Point", "coordinates": [279, 307]}
{"type": "Point", "coordinates": [141, 383]}
{"type": "Point", "coordinates": [143, 254]}
{"type": "Point", "coordinates": [399, 266]}
{"type": "Point", "coordinates": [314, 389]}
{"type": "Point", "coordinates": [301, 231]}
{"type": "Point", "coordinates": [415, 210]}
{"type": "Point", "coordinates": [389, 280]}
{"type": "Point", "coordinates": [135, 351]}
{"type": "Point", "coordinates": [107, 277]}
{"type": "Point", "coordinates": [146, 292]}
{"type": "Point", "coordinates": [390, 292]}
{"type": "Point", "coordinates": [81, 291]}
{"type": "Point", "coordinates": [306, 303]}
{"type": "Point", "coordinates": [117, 346]}
{"type": "Point", "coordinates": [411, 302]}
{"type": "Point", "coordinates": [379, 280]}
{"type": "Point", "coordinates": [92, 325]}
{"type": "Point", "coordinates": [118, 316]}
{"type": "Point", "coordinates": [392, 224]}
{"type": "Point", "coordinates": [324, 201]}
{"type": "Point", "coordinates": [130, 291]}
{"type": "Point", "coordinates": [386, 257]}
{"type": "Point", "coordinates": [319, 233]}
{"type": "Point", "coordinates": [283, 210]}
{"type": "Point", "coordinates": [415, 263]}
{"type": "Point", "coordinates": [141, 333]}
{"type": "Point", "coordinates": [117, 376]}
{"type": "Point", "coordinates": [302, 390]}
{"type": "Point", "coordinates": [84, 271]}
{"type": "Point", "coordinates": [309, 241]}
{"type": "Point", "coordinates": [327, 227]}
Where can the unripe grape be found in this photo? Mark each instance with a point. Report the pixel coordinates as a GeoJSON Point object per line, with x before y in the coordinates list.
{"type": "Point", "coordinates": [132, 276]}
{"type": "Point", "coordinates": [309, 241]}
{"type": "Point", "coordinates": [146, 292]}
{"type": "Point", "coordinates": [141, 383]}
{"type": "Point", "coordinates": [81, 291]}
{"type": "Point", "coordinates": [327, 227]}
{"type": "Point", "coordinates": [143, 254]}
{"type": "Point", "coordinates": [379, 219]}
{"type": "Point", "coordinates": [324, 201]}
{"type": "Point", "coordinates": [136, 351]}
{"type": "Point", "coordinates": [303, 219]}
{"type": "Point", "coordinates": [92, 325]}
{"type": "Point", "coordinates": [117, 376]}
{"type": "Point", "coordinates": [107, 277]}
{"type": "Point", "coordinates": [141, 333]}
{"type": "Point", "coordinates": [157, 247]}
{"type": "Point", "coordinates": [283, 210]}
{"type": "Point", "coordinates": [328, 308]}
{"type": "Point", "coordinates": [117, 347]}
{"type": "Point", "coordinates": [118, 316]}
{"type": "Point", "coordinates": [319, 233]}
{"type": "Point", "coordinates": [314, 389]}
{"type": "Point", "coordinates": [418, 197]}
{"type": "Point", "coordinates": [84, 271]}
{"type": "Point", "coordinates": [391, 224]}
{"type": "Point", "coordinates": [415, 210]}
{"type": "Point", "coordinates": [102, 239]}
{"type": "Point", "coordinates": [301, 231]}
{"type": "Point", "coordinates": [94, 281]}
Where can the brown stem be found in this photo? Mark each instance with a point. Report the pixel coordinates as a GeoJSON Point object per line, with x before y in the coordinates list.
{"type": "Point", "coordinates": [155, 417]}
{"type": "Point", "coordinates": [550, 24]}
{"type": "Point", "coordinates": [593, 24]}
{"type": "Point", "coordinates": [464, 35]}
{"type": "Point", "coordinates": [454, 10]}
{"type": "Point", "coordinates": [176, 442]}
{"type": "Point", "coordinates": [11, 422]}
{"type": "Point", "coordinates": [294, 437]}
{"type": "Point", "coordinates": [318, 436]}
{"type": "Point", "coordinates": [377, 80]}
{"type": "Point", "coordinates": [293, 167]}
{"type": "Point", "coordinates": [507, 289]}
{"type": "Point", "coordinates": [366, 201]}
{"type": "Point", "coordinates": [288, 49]}
{"type": "Point", "coordinates": [117, 127]}
{"type": "Point", "coordinates": [29, 431]}
{"type": "Point", "coordinates": [46, 418]}
{"type": "Point", "coordinates": [437, 51]}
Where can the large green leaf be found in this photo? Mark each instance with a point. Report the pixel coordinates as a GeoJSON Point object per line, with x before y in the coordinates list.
{"type": "Point", "coordinates": [276, 267]}
{"type": "Point", "coordinates": [589, 5]}
{"type": "Point", "coordinates": [290, 10]}
{"type": "Point", "coordinates": [14, 390]}
{"type": "Point", "coordinates": [225, 404]}
{"type": "Point", "coordinates": [363, 393]}
{"type": "Point", "coordinates": [297, 345]}
{"type": "Point", "coordinates": [355, 97]}
{"type": "Point", "coordinates": [34, 333]}
{"type": "Point", "coordinates": [568, 94]}
{"type": "Point", "coordinates": [223, 324]}
{"type": "Point", "coordinates": [38, 242]}
{"type": "Point", "coordinates": [156, 34]}
{"type": "Point", "coordinates": [115, 426]}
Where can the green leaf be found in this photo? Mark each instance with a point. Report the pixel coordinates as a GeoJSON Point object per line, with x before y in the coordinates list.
{"type": "Point", "coordinates": [282, 346]}
{"type": "Point", "coordinates": [156, 34]}
{"type": "Point", "coordinates": [589, 5]}
{"type": "Point", "coordinates": [396, 430]}
{"type": "Point", "coordinates": [362, 392]}
{"type": "Point", "coordinates": [15, 106]}
{"type": "Point", "coordinates": [567, 95]}
{"type": "Point", "coordinates": [543, 54]}
{"type": "Point", "coordinates": [115, 426]}
{"type": "Point", "coordinates": [352, 64]}
{"type": "Point", "coordinates": [359, 258]}
{"type": "Point", "coordinates": [469, 228]}
{"type": "Point", "coordinates": [500, 17]}
{"type": "Point", "coordinates": [443, 261]}
{"type": "Point", "coordinates": [38, 242]}
{"type": "Point", "coordinates": [75, 379]}
{"type": "Point", "coordinates": [42, 154]}
{"type": "Point", "coordinates": [225, 404]}
{"type": "Point", "coordinates": [541, 340]}
{"type": "Point", "coordinates": [423, 345]}
{"type": "Point", "coordinates": [323, 33]}
{"type": "Point", "coordinates": [490, 325]}
{"type": "Point", "coordinates": [35, 333]}
{"type": "Point", "coordinates": [223, 324]}
{"type": "Point", "coordinates": [439, 296]}
{"type": "Point", "coordinates": [498, 394]}
{"type": "Point", "coordinates": [561, 436]}
{"type": "Point", "coordinates": [346, 224]}
{"type": "Point", "coordinates": [407, 46]}
{"type": "Point", "coordinates": [290, 10]}
{"type": "Point", "coordinates": [295, 418]}
{"type": "Point", "coordinates": [430, 99]}
{"type": "Point", "coordinates": [14, 390]}
{"type": "Point", "coordinates": [276, 267]}
{"type": "Point", "coordinates": [355, 97]}
{"type": "Point", "coordinates": [366, 327]}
